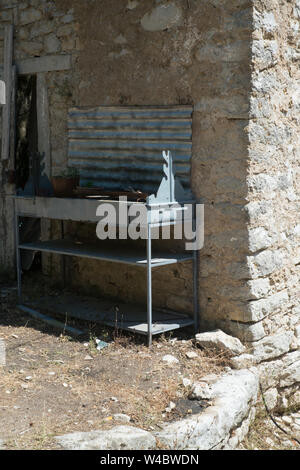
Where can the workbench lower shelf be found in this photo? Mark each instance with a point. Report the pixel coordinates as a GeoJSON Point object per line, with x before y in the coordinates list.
{"type": "Point", "coordinates": [107, 312]}
{"type": "Point", "coordinates": [108, 251]}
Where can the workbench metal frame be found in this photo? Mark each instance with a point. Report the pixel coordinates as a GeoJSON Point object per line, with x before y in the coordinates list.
{"type": "Point", "coordinates": [85, 210]}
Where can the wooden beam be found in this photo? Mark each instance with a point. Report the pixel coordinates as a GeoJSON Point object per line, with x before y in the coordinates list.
{"type": "Point", "coordinates": [7, 75]}
{"type": "Point", "coordinates": [2, 92]}
{"type": "Point", "coordinates": [13, 104]}
{"type": "Point", "coordinates": [43, 121]}
{"type": "Point", "coordinates": [44, 64]}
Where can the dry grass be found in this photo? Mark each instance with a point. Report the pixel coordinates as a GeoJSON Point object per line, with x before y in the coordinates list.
{"type": "Point", "coordinates": [265, 435]}
{"type": "Point", "coordinates": [53, 384]}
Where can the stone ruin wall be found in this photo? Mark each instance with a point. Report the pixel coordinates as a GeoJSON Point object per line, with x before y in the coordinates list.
{"type": "Point", "coordinates": [203, 59]}
{"type": "Point", "coordinates": [237, 62]}
{"type": "Point", "coordinates": [274, 192]}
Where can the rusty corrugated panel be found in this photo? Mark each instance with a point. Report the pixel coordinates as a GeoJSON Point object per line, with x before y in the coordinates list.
{"type": "Point", "coordinates": [121, 147]}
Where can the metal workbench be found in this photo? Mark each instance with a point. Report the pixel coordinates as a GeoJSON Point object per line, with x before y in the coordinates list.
{"type": "Point", "coordinates": [84, 210]}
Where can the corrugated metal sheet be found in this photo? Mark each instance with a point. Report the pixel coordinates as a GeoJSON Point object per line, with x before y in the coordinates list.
{"type": "Point", "coordinates": [121, 147]}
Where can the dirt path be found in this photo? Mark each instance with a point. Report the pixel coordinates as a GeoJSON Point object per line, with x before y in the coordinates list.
{"type": "Point", "coordinates": [53, 384]}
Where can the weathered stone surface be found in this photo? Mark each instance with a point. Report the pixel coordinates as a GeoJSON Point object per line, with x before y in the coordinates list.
{"type": "Point", "coordinates": [273, 346]}
{"type": "Point", "coordinates": [219, 340]}
{"type": "Point", "coordinates": [265, 263]}
{"type": "Point", "coordinates": [290, 375]}
{"type": "Point", "coordinates": [258, 309]}
{"type": "Point", "coordinates": [248, 332]}
{"type": "Point", "coordinates": [41, 28]}
{"type": "Point", "coordinates": [201, 391]}
{"type": "Point", "coordinates": [270, 372]}
{"type": "Point", "coordinates": [2, 352]}
{"type": "Point", "coordinates": [271, 398]}
{"type": "Point", "coordinates": [32, 47]}
{"type": "Point", "coordinates": [233, 396]}
{"type": "Point", "coordinates": [162, 17]}
{"type": "Point", "coordinates": [29, 16]}
{"type": "Point", "coordinates": [259, 239]}
{"type": "Point", "coordinates": [259, 288]}
{"type": "Point", "coordinates": [244, 361]}
{"type": "Point", "coordinates": [169, 359]}
{"type": "Point", "coordinates": [239, 66]}
{"type": "Point", "coordinates": [117, 438]}
{"type": "Point", "coordinates": [132, 4]}
{"type": "Point", "coordinates": [52, 44]}
{"type": "Point", "coordinates": [121, 418]}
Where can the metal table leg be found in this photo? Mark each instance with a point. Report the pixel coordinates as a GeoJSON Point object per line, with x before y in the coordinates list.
{"type": "Point", "coordinates": [195, 290]}
{"type": "Point", "coordinates": [195, 275]}
{"type": "Point", "coordinates": [149, 285]}
{"type": "Point", "coordinates": [18, 257]}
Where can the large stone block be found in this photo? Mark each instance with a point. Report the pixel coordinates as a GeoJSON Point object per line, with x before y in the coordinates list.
{"type": "Point", "coordinates": [30, 16]}
{"type": "Point", "coordinates": [118, 438]}
{"type": "Point", "coordinates": [265, 53]}
{"type": "Point", "coordinates": [265, 262]}
{"type": "Point", "coordinates": [162, 17]}
{"type": "Point", "coordinates": [221, 341]}
{"type": "Point", "coordinates": [256, 310]}
{"type": "Point", "coordinates": [247, 332]}
{"type": "Point", "coordinates": [52, 44]}
{"type": "Point", "coordinates": [234, 395]}
{"type": "Point", "coordinates": [273, 346]}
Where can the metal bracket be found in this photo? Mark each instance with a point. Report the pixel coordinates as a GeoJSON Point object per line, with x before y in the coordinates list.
{"type": "Point", "coordinates": [170, 190]}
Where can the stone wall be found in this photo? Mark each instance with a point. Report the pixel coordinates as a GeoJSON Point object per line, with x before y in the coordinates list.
{"type": "Point", "coordinates": [165, 53]}
{"type": "Point", "coordinates": [40, 29]}
{"type": "Point", "coordinates": [236, 62]}
{"type": "Point", "coordinates": [274, 195]}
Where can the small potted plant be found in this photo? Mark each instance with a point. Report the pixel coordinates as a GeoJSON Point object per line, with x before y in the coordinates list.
{"type": "Point", "coordinates": [65, 183]}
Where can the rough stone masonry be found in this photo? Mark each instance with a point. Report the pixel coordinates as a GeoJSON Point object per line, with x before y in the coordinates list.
{"type": "Point", "coordinates": [237, 63]}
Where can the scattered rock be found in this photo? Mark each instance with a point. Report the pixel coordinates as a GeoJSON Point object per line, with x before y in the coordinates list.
{"type": "Point", "coordinates": [122, 418]}
{"type": "Point", "coordinates": [114, 399]}
{"type": "Point", "coordinates": [186, 382]}
{"type": "Point", "coordinates": [119, 438]}
{"type": "Point", "coordinates": [25, 386]}
{"type": "Point", "coordinates": [88, 358]}
{"type": "Point", "coordinates": [2, 353]}
{"type": "Point", "coordinates": [171, 407]}
{"type": "Point", "coordinates": [169, 359]}
{"type": "Point", "coordinates": [244, 361]}
{"type": "Point", "coordinates": [201, 391]}
{"type": "Point", "coordinates": [287, 419]}
{"type": "Point", "coordinates": [191, 355]}
{"type": "Point", "coordinates": [219, 340]}
{"type": "Point", "coordinates": [271, 397]}
{"type": "Point", "coordinates": [270, 442]}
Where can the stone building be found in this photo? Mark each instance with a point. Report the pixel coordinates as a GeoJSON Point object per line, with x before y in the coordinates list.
{"type": "Point", "coordinates": [237, 63]}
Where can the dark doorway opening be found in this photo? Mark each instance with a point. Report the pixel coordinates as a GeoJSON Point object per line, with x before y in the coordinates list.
{"type": "Point", "coordinates": [26, 127]}
{"type": "Point", "coordinates": [27, 144]}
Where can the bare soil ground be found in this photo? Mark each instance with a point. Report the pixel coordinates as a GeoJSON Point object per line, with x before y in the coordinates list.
{"type": "Point", "coordinates": [281, 433]}
{"type": "Point", "coordinates": [54, 384]}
